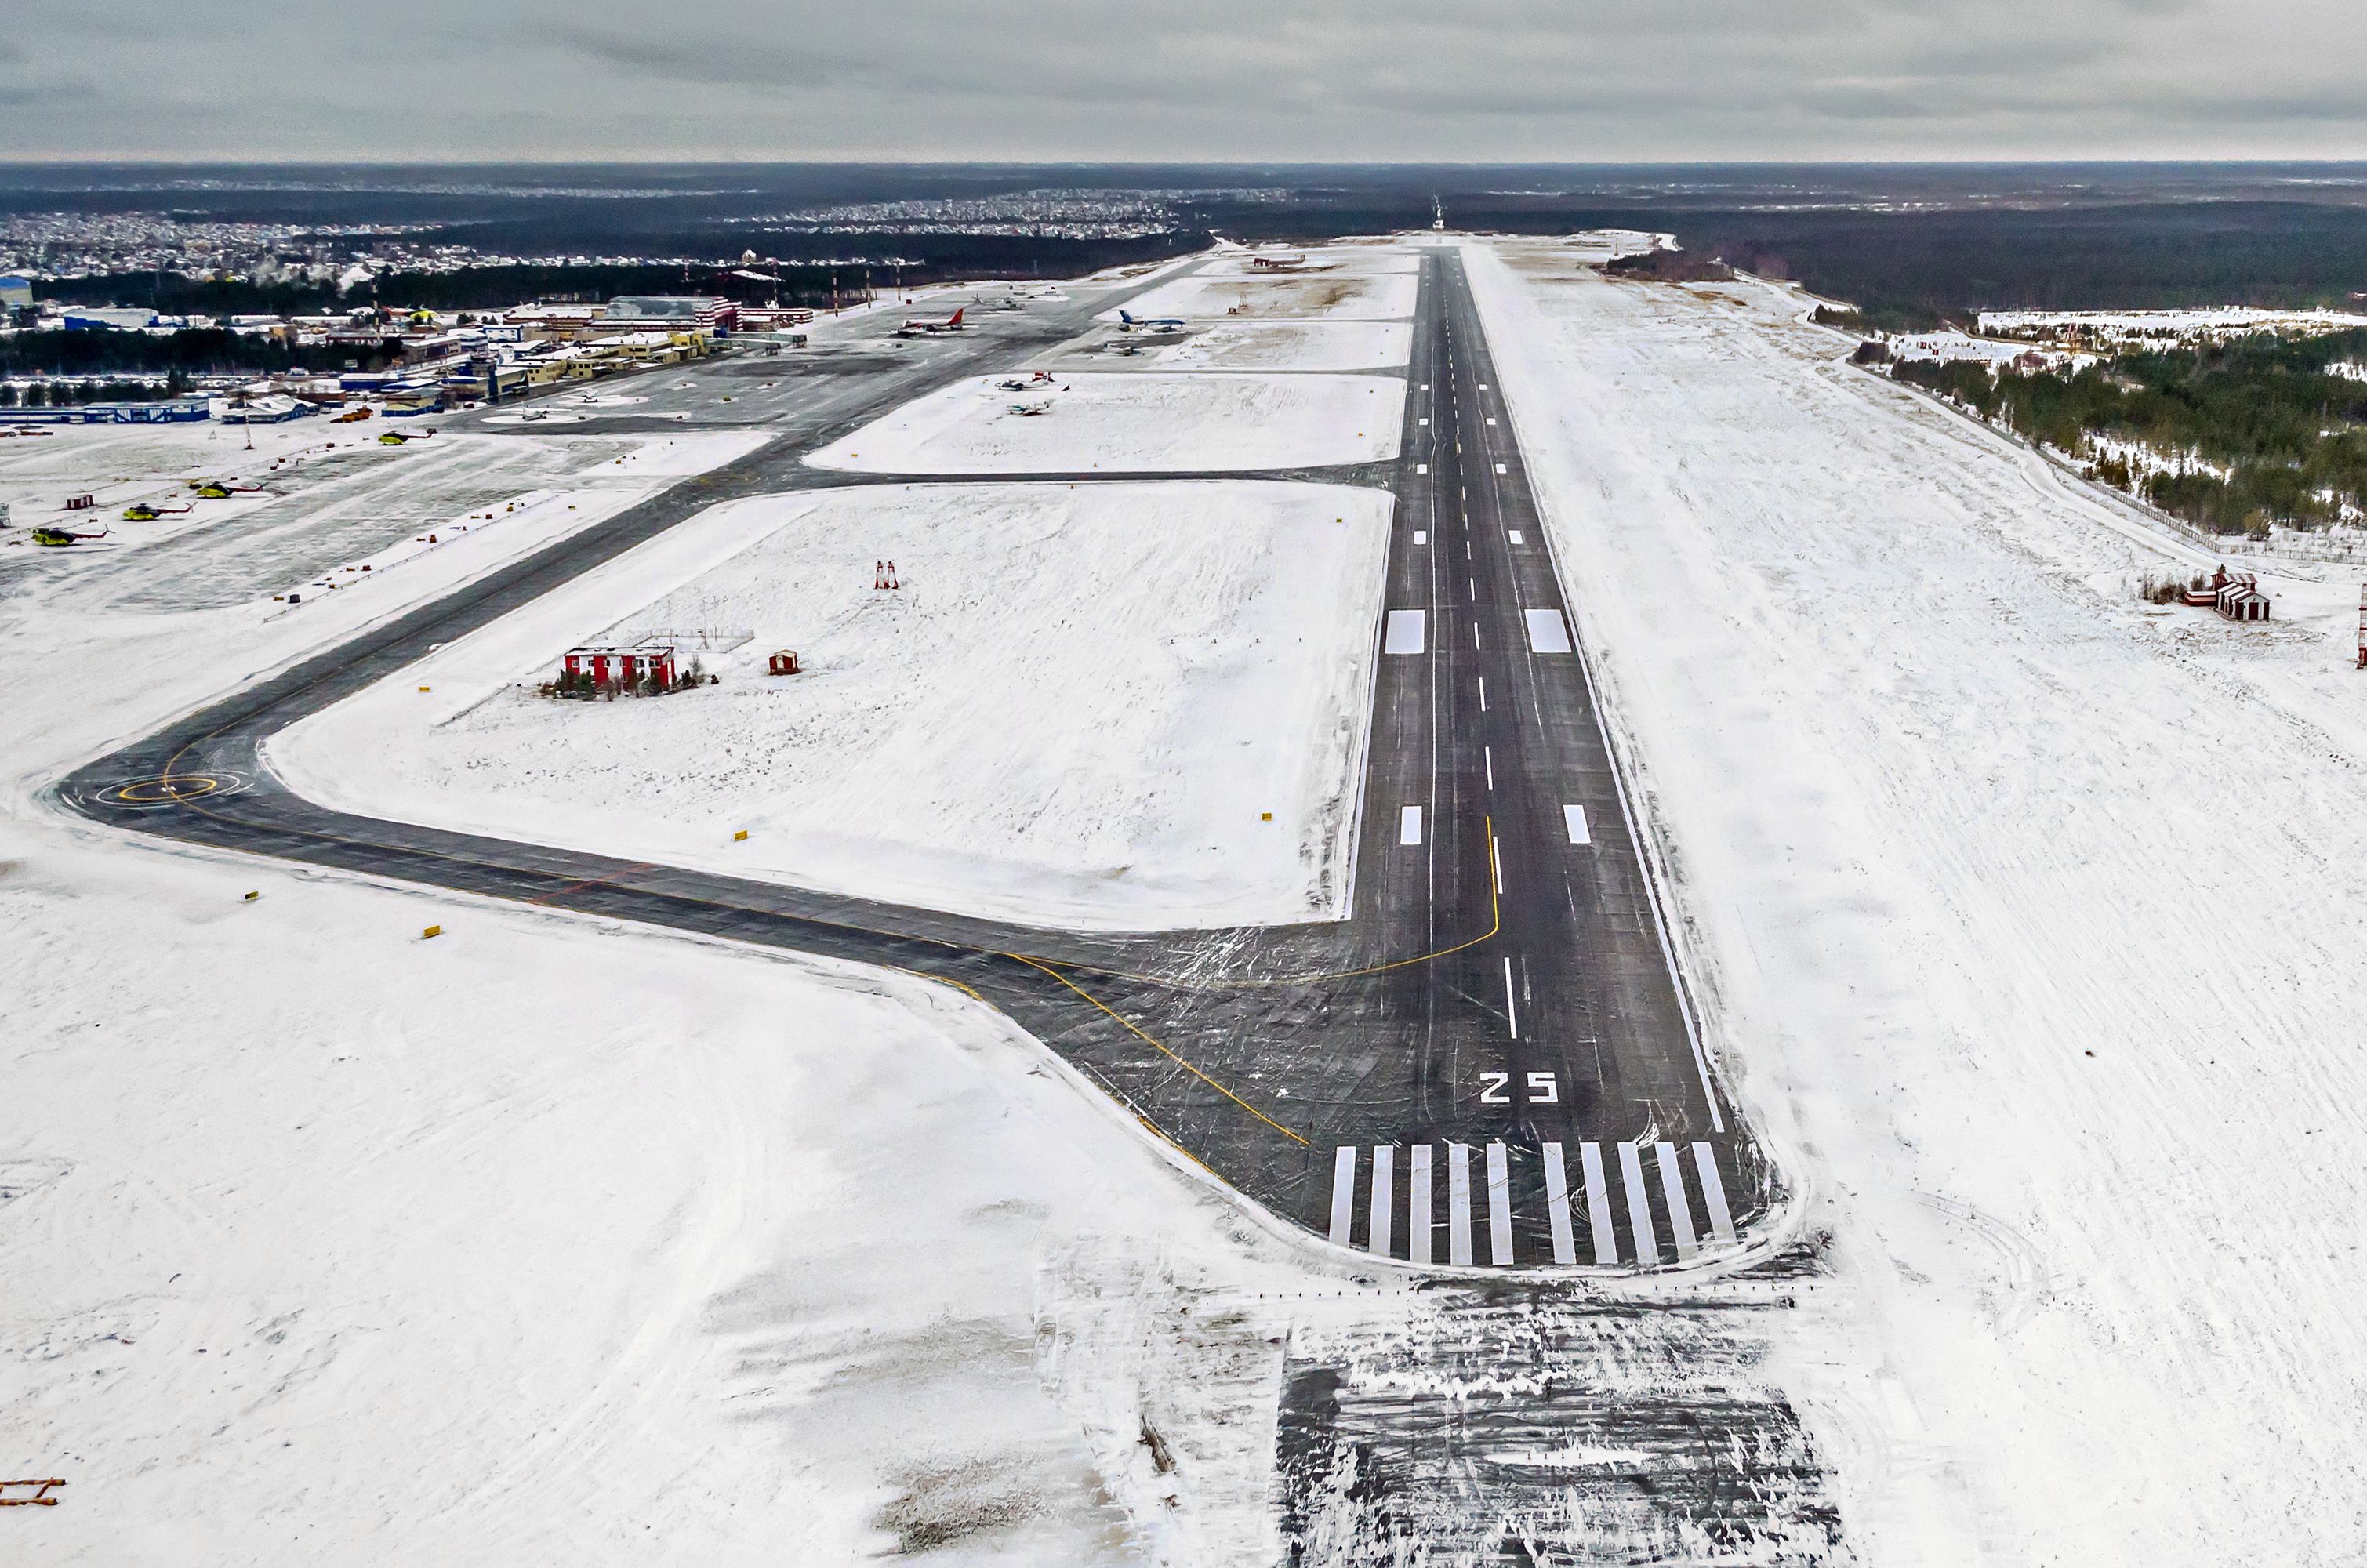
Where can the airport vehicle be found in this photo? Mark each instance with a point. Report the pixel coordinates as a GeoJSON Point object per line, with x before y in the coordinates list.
{"type": "Point", "coordinates": [919, 326]}
{"type": "Point", "coordinates": [351, 416]}
{"type": "Point", "coordinates": [1030, 410]}
{"type": "Point", "coordinates": [57, 536]}
{"type": "Point", "coordinates": [1130, 324]}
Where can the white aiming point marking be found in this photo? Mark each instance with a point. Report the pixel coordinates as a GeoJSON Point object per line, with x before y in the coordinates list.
{"type": "Point", "coordinates": [1410, 825]}
{"type": "Point", "coordinates": [1575, 815]}
{"type": "Point", "coordinates": [1548, 633]}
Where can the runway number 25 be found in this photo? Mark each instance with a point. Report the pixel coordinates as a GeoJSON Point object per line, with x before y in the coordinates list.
{"type": "Point", "coordinates": [1544, 1089]}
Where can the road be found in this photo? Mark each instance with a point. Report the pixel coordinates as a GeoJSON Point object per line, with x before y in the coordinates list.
{"type": "Point", "coordinates": [1491, 1064]}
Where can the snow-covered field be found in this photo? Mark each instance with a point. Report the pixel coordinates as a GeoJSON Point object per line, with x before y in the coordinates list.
{"type": "Point", "coordinates": [546, 1240]}
{"type": "Point", "coordinates": [1327, 295]}
{"type": "Point", "coordinates": [2227, 321]}
{"type": "Point", "coordinates": [1286, 345]}
{"type": "Point", "coordinates": [330, 499]}
{"type": "Point", "coordinates": [1075, 712]}
{"type": "Point", "coordinates": [1132, 423]}
{"type": "Point", "coordinates": [1311, 259]}
{"type": "Point", "coordinates": [2028, 916]}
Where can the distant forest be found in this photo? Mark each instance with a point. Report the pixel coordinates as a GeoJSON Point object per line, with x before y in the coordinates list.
{"type": "Point", "coordinates": [1909, 271]}
{"type": "Point", "coordinates": [2290, 430]}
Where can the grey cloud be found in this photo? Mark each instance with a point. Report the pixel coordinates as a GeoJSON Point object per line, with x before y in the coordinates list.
{"type": "Point", "coordinates": [1499, 79]}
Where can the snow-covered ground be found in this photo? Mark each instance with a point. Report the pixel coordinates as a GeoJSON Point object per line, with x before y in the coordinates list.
{"type": "Point", "coordinates": [1294, 260]}
{"type": "Point", "coordinates": [1284, 346]}
{"type": "Point", "coordinates": [546, 1239]}
{"type": "Point", "coordinates": [2027, 915]}
{"type": "Point", "coordinates": [1132, 423]}
{"type": "Point", "coordinates": [329, 501]}
{"type": "Point", "coordinates": [2223, 322]}
{"type": "Point", "coordinates": [1947, 343]}
{"type": "Point", "coordinates": [1076, 711]}
{"type": "Point", "coordinates": [1327, 295]}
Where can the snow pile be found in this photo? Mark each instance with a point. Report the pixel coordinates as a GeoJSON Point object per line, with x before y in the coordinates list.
{"type": "Point", "coordinates": [1139, 423]}
{"type": "Point", "coordinates": [2026, 915]}
{"type": "Point", "coordinates": [1076, 711]}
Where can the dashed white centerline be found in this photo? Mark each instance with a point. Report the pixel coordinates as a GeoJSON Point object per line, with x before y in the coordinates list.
{"type": "Point", "coordinates": [1483, 693]}
{"type": "Point", "coordinates": [1495, 867]}
{"type": "Point", "coordinates": [1512, 1016]}
{"type": "Point", "coordinates": [1488, 755]}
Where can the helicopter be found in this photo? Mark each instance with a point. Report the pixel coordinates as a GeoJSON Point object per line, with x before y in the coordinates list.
{"type": "Point", "coordinates": [142, 512]}
{"type": "Point", "coordinates": [58, 537]}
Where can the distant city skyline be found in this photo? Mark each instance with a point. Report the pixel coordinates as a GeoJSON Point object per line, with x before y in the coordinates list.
{"type": "Point", "coordinates": [1213, 79]}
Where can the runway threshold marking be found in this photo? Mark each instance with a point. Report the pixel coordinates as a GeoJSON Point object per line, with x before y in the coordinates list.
{"type": "Point", "coordinates": [1548, 632]}
{"type": "Point", "coordinates": [1681, 1215]}
{"type": "Point", "coordinates": [1343, 1192]}
{"type": "Point", "coordinates": [1565, 1246]}
{"type": "Point", "coordinates": [1404, 630]}
{"type": "Point", "coordinates": [1500, 1207]}
{"type": "Point", "coordinates": [1458, 1205]}
{"type": "Point", "coordinates": [1721, 1218]}
{"type": "Point", "coordinates": [1639, 1203]}
{"type": "Point", "coordinates": [1378, 1235]}
{"type": "Point", "coordinates": [1418, 1215]}
{"type": "Point", "coordinates": [1597, 1204]}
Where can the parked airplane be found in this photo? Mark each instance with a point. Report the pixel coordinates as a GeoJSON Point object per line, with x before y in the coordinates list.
{"type": "Point", "coordinates": [916, 327]}
{"type": "Point", "coordinates": [1154, 323]}
{"type": "Point", "coordinates": [1029, 410]}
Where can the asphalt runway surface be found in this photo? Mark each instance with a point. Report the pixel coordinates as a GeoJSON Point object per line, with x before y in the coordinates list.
{"type": "Point", "coordinates": [1491, 1064]}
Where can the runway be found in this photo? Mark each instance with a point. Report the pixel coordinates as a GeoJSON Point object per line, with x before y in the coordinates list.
{"type": "Point", "coordinates": [1492, 1063]}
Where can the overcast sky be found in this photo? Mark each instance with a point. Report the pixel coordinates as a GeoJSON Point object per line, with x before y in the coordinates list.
{"type": "Point", "coordinates": [1447, 80]}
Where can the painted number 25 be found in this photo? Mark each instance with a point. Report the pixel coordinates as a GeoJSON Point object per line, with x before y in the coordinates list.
{"type": "Point", "coordinates": [1544, 1089]}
